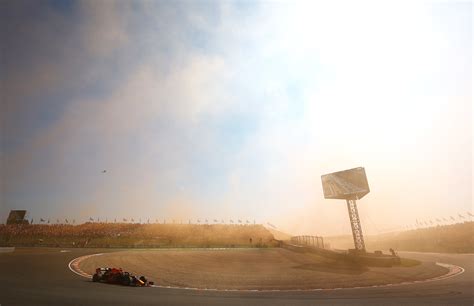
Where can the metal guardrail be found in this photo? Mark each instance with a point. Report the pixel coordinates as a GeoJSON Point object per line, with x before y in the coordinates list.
{"type": "Point", "coordinates": [315, 241]}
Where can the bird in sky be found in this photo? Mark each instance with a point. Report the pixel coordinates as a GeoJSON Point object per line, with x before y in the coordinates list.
{"type": "Point", "coordinates": [103, 171]}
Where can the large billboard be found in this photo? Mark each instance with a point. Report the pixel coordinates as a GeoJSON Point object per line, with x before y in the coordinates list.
{"type": "Point", "coordinates": [17, 217]}
{"type": "Point", "coordinates": [347, 184]}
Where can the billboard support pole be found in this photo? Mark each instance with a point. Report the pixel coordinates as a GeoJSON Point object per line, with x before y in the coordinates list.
{"type": "Point", "coordinates": [355, 224]}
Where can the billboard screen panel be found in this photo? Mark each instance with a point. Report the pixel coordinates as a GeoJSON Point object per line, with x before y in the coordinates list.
{"type": "Point", "coordinates": [347, 184]}
{"type": "Point", "coordinates": [17, 217]}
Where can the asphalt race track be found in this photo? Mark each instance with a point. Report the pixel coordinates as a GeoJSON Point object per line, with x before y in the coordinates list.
{"type": "Point", "coordinates": [42, 277]}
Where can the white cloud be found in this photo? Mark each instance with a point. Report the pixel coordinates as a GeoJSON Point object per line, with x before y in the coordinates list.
{"type": "Point", "coordinates": [365, 97]}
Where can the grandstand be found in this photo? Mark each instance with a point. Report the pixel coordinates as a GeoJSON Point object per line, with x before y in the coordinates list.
{"type": "Point", "coordinates": [127, 235]}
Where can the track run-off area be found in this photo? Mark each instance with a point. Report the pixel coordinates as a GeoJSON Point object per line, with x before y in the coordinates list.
{"type": "Point", "coordinates": [40, 276]}
{"type": "Point", "coordinates": [251, 270]}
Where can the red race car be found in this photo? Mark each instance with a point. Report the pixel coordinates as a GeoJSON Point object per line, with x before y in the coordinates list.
{"type": "Point", "coordinates": [119, 277]}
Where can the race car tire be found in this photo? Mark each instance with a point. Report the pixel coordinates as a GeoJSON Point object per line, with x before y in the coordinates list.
{"type": "Point", "coordinates": [95, 278]}
{"type": "Point", "coordinates": [133, 281]}
{"type": "Point", "coordinates": [126, 280]}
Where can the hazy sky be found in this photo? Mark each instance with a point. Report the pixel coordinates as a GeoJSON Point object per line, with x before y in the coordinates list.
{"type": "Point", "coordinates": [235, 109]}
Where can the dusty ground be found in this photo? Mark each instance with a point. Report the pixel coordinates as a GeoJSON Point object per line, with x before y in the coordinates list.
{"type": "Point", "coordinates": [273, 268]}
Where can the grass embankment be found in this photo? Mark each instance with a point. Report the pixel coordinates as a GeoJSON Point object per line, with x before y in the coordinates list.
{"type": "Point", "coordinates": [407, 262]}
{"type": "Point", "coordinates": [455, 238]}
{"type": "Point", "coordinates": [279, 235]}
{"type": "Point", "coordinates": [136, 235]}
